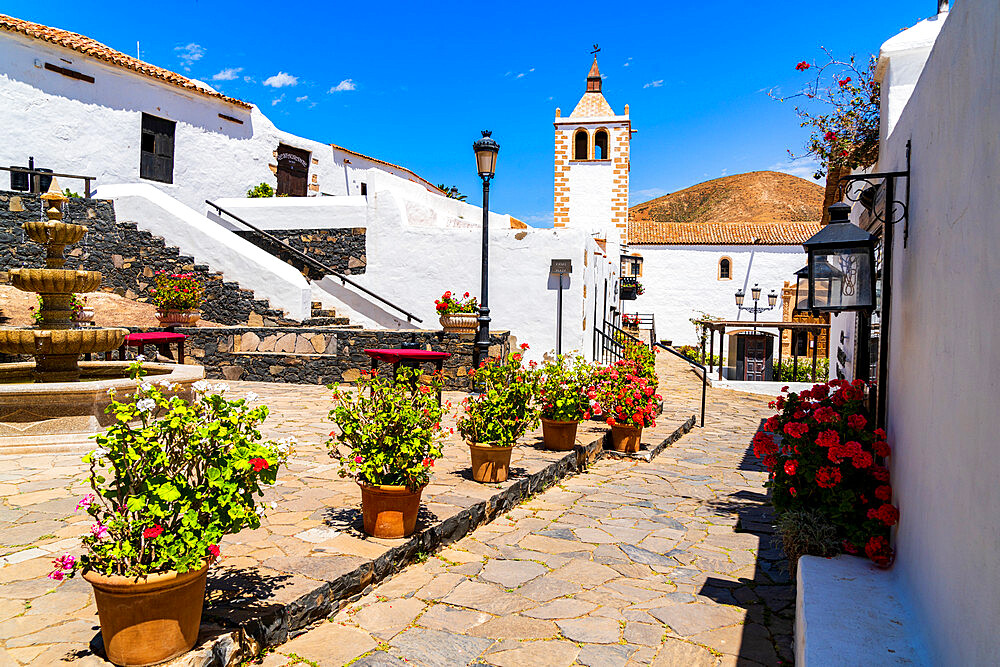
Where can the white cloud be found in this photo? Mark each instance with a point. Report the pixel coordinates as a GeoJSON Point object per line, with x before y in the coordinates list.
{"type": "Point", "coordinates": [280, 80]}
{"type": "Point", "coordinates": [640, 196]}
{"type": "Point", "coordinates": [276, 100]}
{"type": "Point", "coordinates": [302, 99]}
{"type": "Point", "coordinates": [532, 69]}
{"type": "Point", "coordinates": [802, 167]}
{"type": "Point", "coordinates": [228, 74]}
{"type": "Point", "coordinates": [346, 84]}
{"type": "Point", "coordinates": [520, 76]}
{"type": "Point", "coordinates": [543, 219]}
{"type": "Point", "coordinates": [627, 62]}
{"type": "Point", "coordinates": [189, 53]}
{"type": "Point", "coordinates": [653, 84]}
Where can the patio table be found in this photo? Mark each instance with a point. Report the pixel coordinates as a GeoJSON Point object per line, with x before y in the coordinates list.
{"type": "Point", "coordinates": [408, 357]}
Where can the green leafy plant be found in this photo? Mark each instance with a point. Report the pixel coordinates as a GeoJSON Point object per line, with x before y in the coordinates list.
{"type": "Point", "coordinates": [644, 358]}
{"type": "Point", "coordinates": [170, 478]}
{"type": "Point", "coordinates": [562, 385]}
{"type": "Point", "coordinates": [625, 397]}
{"type": "Point", "coordinates": [392, 436]}
{"type": "Point", "coordinates": [72, 195]}
{"type": "Point", "coordinates": [829, 461]}
{"type": "Point", "coordinates": [786, 371]}
{"type": "Point", "coordinates": [448, 304]}
{"type": "Point", "coordinates": [694, 354]}
{"type": "Point", "coordinates": [177, 291]}
{"type": "Point", "coordinates": [505, 406]}
{"type": "Point", "coordinates": [806, 532]}
{"type": "Point", "coordinates": [260, 191]}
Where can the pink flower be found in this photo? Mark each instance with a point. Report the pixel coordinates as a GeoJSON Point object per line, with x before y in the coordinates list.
{"type": "Point", "coordinates": [86, 501]}
{"type": "Point", "coordinates": [213, 549]}
{"type": "Point", "coordinates": [99, 530]}
{"type": "Point", "coordinates": [56, 574]}
{"type": "Point", "coordinates": [358, 459]}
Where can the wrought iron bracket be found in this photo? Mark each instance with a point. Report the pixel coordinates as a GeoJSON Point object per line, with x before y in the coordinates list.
{"type": "Point", "coordinates": [863, 189]}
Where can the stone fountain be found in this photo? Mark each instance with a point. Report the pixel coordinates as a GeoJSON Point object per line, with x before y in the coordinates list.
{"type": "Point", "coordinates": [59, 400]}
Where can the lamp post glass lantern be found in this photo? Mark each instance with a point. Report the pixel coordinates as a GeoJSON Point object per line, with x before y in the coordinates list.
{"type": "Point", "coordinates": [841, 265]}
{"type": "Point", "coordinates": [486, 150]}
{"type": "Point", "coordinates": [772, 299]}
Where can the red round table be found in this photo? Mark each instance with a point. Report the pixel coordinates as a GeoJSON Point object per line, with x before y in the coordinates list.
{"type": "Point", "coordinates": [397, 356]}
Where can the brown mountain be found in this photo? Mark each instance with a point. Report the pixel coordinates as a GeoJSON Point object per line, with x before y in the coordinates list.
{"type": "Point", "coordinates": [758, 196]}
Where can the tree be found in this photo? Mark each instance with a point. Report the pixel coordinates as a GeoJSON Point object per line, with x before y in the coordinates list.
{"type": "Point", "coordinates": [451, 192]}
{"type": "Point", "coordinates": [841, 109]}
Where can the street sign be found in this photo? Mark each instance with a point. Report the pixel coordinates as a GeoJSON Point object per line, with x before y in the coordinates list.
{"type": "Point", "coordinates": [561, 266]}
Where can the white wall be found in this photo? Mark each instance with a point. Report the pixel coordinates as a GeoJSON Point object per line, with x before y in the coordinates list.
{"type": "Point", "coordinates": [681, 282]}
{"type": "Point", "coordinates": [944, 363]}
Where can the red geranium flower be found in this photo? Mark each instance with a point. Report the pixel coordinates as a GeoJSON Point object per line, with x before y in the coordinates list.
{"type": "Point", "coordinates": [213, 549]}
{"type": "Point", "coordinates": [795, 429]}
{"type": "Point", "coordinates": [881, 448]}
{"type": "Point", "coordinates": [828, 477]}
{"type": "Point", "coordinates": [883, 492]}
{"type": "Point", "coordinates": [152, 532]}
{"type": "Point", "coordinates": [878, 550]}
{"type": "Point", "coordinates": [857, 421]}
{"type": "Point", "coordinates": [791, 467]}
{"type": "Point", "coordinates": [258, 464]}
{"type": "Point", "coordinates": [802, 66]}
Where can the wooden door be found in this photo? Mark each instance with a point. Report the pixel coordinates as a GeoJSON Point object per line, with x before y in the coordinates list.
{"type": "Point", "coordinates": [755, 354]}
{"type": "Point", "coordinates": [293, 171]}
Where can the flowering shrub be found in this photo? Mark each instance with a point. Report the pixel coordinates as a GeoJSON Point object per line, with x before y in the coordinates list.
{"type": "Point", "coordinates": [448, 304]}
{"type": "Point", "coordinates": [625, 397]}
{"type": "Point", "coordinates": [177, 291]}
{"type": "Point", "coordinates": [260, 191]}
{"type": "Point", "coordinates": [639, 289]}
{"type": "Point", "coordinates": [563, 384]}
{"type": "Point", "coordinates": [644, 359]}
{"type": "Point", "coordinates": [170, 478]}
{"type": "Point", "coordinates": [630, 320]}
{"type": "Point", "coordinates": [505, 407]}
{"type": "Point", "coordinates": [392, 436]}
{"type": "Point", "coordinates": [828, 461]}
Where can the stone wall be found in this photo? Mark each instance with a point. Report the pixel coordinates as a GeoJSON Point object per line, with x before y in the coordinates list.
{"type": "Point", "coordinates": [342, 250]}
{"type": "Point", "coordinates": [317, 355]}
{"type": "Point", "coordinates": [127, 256]}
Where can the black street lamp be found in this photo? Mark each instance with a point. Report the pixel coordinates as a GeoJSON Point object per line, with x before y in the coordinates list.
{"type": "Point", "coordinates": [841, 265]}
{"type": "Point", "coordinates": [486, 150]}
{"type": "Point", "coordinates": [772, 300]}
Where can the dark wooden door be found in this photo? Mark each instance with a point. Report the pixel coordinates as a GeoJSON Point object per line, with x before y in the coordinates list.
{"type": "Point", "coordinates": [293, 171]}
{"type": "Point", "coordinates": [755, 354]}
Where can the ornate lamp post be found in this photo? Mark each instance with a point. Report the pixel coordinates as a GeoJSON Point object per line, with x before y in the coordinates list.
{"type": "Point", "coordinates": [772, 300]}
{"type": "Point", "coordinates": [486, 150]}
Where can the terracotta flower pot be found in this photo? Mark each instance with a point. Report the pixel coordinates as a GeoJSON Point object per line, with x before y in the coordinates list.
{"type": "Point", "coordinates": [151, 619]}
{"type": "Point", "coordinates": [460, 323]}
{"type": "Point", "coordinates": [559, 436]}
{"type": "Point", "coordinates": [84, 315]}
{"type": "Point", "coordinates": [389, 512]}
{"type": "Point", "coordinates": [625, 438]}
{"type": "Point", "coordinates": [177, 318]}
{"type": "Point", "coordinates": [490, 465]}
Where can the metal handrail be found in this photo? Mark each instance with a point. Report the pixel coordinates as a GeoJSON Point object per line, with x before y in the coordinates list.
{"type": "Point", "coordinates": [314, 263]}
{"type": "Point", "coordinates": [35, 173]}
{"type": "Point", "coordinates": [704, 375]}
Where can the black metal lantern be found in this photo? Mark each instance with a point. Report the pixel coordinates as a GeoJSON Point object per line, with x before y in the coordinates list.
{"type": "Point", "coordinates": [772, 298]}
{"type": "Point", "coordinates": [740, 294]}
{"type": "Point", "coordinates": [755, 292]}
{"type": "Point", "coordinates": [486, 150]}
{"type": "Point", "coordinates": [841, 265]}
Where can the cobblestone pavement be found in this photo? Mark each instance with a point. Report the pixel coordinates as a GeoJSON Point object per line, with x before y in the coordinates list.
{"type": "Point", "coordinates": [310, 536]}
{"type": "Point", "coordinates": [630, 563]}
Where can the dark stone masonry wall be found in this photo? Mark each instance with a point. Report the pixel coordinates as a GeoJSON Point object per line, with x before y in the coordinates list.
{"type": "Point", "coordinates": [127, 256]}
{"type": "Point", "coordinates": [317, 355]}
{"type": "Point", "coordinates": [342, 250]}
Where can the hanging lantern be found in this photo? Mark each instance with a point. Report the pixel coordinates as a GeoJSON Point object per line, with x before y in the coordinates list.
{"type": "Point", "coordinates": [841, 265]}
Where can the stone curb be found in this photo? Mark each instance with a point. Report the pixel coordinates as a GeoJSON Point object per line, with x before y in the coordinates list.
{"type": "Point", "coordinates": [223, 645]}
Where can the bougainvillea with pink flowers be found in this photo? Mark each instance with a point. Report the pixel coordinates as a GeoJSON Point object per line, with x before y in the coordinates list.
{"type": "Point", "coordinates": [824, 456]}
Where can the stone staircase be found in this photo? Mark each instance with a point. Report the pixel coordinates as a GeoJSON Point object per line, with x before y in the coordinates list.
{"type": "Point", "coordinates": [327, 317]}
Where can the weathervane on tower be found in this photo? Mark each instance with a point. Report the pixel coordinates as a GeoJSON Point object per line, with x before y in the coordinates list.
{"type": "Point", "coordinates": [596, 50]}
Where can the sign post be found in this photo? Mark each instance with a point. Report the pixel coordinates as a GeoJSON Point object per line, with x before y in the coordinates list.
{"type": "Point", "coordinates": [560, 267]}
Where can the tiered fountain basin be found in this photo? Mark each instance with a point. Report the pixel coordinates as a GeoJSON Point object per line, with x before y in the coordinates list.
{"type": "Point", "coordinates": [62, 416]}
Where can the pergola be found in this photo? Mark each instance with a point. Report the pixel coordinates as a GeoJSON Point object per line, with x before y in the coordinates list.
{"type": "Point", "coordinates": [813, 329]}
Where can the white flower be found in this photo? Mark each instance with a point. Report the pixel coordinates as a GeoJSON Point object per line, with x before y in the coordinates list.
{"type": "Point", "coordinates": [145, 405]}
{"type": "Point", "coordinates": [141, 358]}
{"type": "Point", "coordinates": [201, 386]}
{"type": "Point", "coordinates": [251, 397]}
{"type": "Point", "coordinates": [111, 392]}
{"type": "Point", "coordinates": [145, 386]}
{"type": "Point", "coordinates": [274, 505]}
{"type": "Point", "coordinates": [166, 384]}
{"type": "Point", "coordinates": [221, 387]}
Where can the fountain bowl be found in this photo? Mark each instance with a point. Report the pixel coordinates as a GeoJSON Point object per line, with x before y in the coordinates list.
{"type": "Point", "coordinates": [54, 231]}
{"type": "Point", "coordinates": [51, 417]}
{"type": "Point", "coordinates": [54, 281]}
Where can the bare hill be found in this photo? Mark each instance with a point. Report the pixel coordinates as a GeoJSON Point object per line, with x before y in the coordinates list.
{"type": "Point", "coordinates": [757, 196]}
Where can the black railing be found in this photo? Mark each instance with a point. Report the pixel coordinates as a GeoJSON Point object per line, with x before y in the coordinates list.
{"type": "Point", "coordinates": [704, 375]}
{"type": "Point", "coordinates": [643, 322]}
{"type": "Point", "coordinates": [33, 178]}
{"type": "Point", "coordinates": [611, 342]}
{"type": "Point", "coordinates": [312, 263]}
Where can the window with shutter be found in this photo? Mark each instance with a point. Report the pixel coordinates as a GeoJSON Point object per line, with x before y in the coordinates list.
{"type": "Point", "coordinates": [156, 149]}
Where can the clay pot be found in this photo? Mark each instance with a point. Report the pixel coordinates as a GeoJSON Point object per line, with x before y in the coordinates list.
{"type": "Point", "coordinates": [177, 318]}
{"type": "Point", "coordinates": [490, 465]}
{"type": "Point", "coordinates": [84, 315]}
{"type": "Point", "coordinates": [460, 323]}
{"type": "Point", "coordinates": [149, 619]}
{"type": "Point", "coordinates": [625, 438]}
{"type": "Point", "coordinates": [389, 512]}
{"type": "Point", "coordinates": [559, 436]}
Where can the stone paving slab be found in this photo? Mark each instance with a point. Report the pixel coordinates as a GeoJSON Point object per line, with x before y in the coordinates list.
{"type": "Point", "coordinates": [307, 559]}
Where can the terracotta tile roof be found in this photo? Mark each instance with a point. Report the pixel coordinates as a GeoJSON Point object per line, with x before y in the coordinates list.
{"type": "Point", "coordinates": [423, 181]}
{"type": "Point", "coordinates": [592, 105]}
{"type": "Point", "coordinates": [651, 232]}
{"type": "Point", "coordinates": [95, 49]}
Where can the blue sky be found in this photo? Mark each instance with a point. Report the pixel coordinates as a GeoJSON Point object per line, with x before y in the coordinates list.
{"type": "Point", "coordinates": [413, 84]}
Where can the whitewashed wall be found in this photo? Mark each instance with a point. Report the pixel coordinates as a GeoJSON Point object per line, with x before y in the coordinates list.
{"type": "Point", "coordinates": [944, 364]}
{"type": "Point", "coordinates": [681, 282]}
{"type": "Point", "coordinates": [94, 129]}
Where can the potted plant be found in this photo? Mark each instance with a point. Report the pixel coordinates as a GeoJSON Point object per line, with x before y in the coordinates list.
{"type": "Point", "coordinates": [458, 315]}
{"type": "Point", "coordinates": [630, 288]}
{"type": "Point", "coordinates": [169, 479]}
{"type": "Point", "coordinates": [388, 442]}
{"type": "Point", "coordinates": [499, 414]}
{"type": "Point", "coordinates": [563, 384]}
{"type": "Point", "coordinates": [82, 313]}
{"type": "Point", "coordinates": [630, 323]}
{"type": "Point", "coordinates": [177, 297]}
{"type": "Point", "coordinates": [630, 402]}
